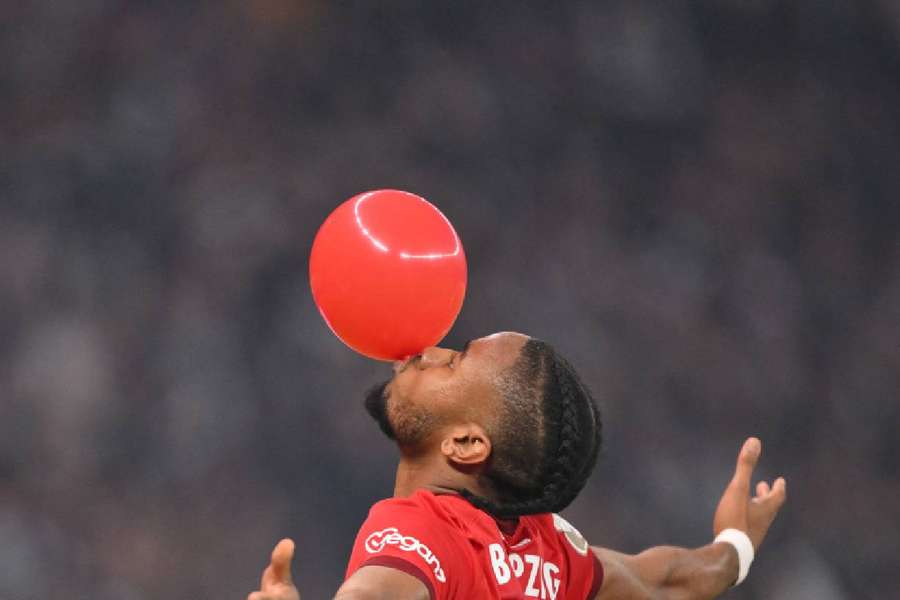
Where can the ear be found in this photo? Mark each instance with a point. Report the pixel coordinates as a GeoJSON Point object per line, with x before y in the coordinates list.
{"type": "Point", "coordinates": [466, 444]}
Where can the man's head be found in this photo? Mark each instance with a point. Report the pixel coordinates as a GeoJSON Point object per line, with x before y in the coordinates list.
{"type": "Point", "coordinates": [507, 409]}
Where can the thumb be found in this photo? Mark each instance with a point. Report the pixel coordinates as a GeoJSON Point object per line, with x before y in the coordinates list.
{"type": "Point", "coordinates": [279, 571]}
{"type": "Point", "coordinates": [746, 462]}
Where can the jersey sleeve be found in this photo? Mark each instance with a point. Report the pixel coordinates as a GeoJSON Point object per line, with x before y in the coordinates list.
{"type": "Point", "coordinates": [585, 572]}
{"type": "Point", "coordinates": [401, 535]}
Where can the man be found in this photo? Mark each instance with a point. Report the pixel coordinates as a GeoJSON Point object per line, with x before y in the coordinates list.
{"type": "Point", "coordinates": [494, 440]}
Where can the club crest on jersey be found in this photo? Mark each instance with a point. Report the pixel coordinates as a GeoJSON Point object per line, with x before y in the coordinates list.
{"type": "Point", "coordinates": [576, 540]}
{"type": "Point", "coordinates": [391, 536]}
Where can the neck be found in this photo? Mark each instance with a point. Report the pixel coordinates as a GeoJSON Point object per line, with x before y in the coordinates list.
{"type": "Point", "coordinates": [432, 472]}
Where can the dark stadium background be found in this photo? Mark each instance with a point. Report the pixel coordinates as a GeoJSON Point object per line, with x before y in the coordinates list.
{"type": "Point", "coordinates": [696, 201]}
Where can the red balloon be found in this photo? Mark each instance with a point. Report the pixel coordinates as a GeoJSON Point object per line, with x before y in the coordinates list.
{"type": "Point", "coordinates": [388, 274]}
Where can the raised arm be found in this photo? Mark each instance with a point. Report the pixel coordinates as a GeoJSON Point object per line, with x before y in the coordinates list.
{"type": "Point", "coordinates": [368, 583]}
{"type": "Point", "coordinates": [668, 573]}
{"type": "Point", "coordinates": [382, 583]}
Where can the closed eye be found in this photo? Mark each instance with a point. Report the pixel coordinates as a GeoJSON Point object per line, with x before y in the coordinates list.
{"type": "Point", "coordinates": [459, 355]}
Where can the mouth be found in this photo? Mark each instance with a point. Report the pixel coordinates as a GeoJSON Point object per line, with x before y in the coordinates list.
{"type": "Point", "coordinates": [402, 365]}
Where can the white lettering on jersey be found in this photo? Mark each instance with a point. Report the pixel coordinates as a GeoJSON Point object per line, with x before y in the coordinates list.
{"type": "Point", "coordinates": [543, 576]}
{"type": "Point", "coordinates": [515, 561]}
{"type": "Point", "coordinates": [530, 590]}
{"type": "Point", "coordinates": [498, 562]}
{"type": "Point", "coordinates": [551, 579]}
{"type": "Point", "coordinates": [377, 540]}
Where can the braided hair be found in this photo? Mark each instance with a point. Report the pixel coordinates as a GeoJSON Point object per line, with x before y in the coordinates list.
{"type": "Point", "coordinates": [547, 439]}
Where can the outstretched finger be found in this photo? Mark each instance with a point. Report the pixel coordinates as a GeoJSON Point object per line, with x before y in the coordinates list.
{"type": "Point", "coordinates": [779, 492]}
{"type": "Point", "coordinates": [746, 462]}
{"type": "Point", "coordinates": [279, 570]}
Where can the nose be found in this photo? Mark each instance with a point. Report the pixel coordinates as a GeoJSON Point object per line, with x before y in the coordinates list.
{"type": "Point", "coordinates": [434, 357]}
{"type": "Point", "coordinates": [428, 358]}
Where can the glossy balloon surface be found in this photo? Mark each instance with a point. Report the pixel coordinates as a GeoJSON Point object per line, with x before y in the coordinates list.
{"type": "Point", "coordinates": [388, 274]}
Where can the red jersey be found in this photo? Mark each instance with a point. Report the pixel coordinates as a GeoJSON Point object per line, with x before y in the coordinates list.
{"type": "Point", "coordinates": [462, 553]}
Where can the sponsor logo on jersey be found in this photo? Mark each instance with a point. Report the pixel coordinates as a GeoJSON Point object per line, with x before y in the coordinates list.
{"type": "Point", "coordinates": [576, 540]}
{"type": "Point", "coordinates": [391, 536]}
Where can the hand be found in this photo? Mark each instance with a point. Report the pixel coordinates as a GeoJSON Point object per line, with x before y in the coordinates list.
{"type": "Point", "coordinates": [750, 515]}
{"type": "Point", "coordinates": [276, 582]}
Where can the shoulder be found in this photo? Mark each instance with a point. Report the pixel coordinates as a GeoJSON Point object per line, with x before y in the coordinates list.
{"type": "Point", "coordinates": [571, 535]}
{"type": "Point", "coordinates": [423, 522]}
{"type": "Point", "coordinates": [441, 511]}
{"type": "Point", "coordinates": [419, 535]}
{"type": "Point", "coordinates": [421, 500]}
{"type": "Point", "coordinates": [585, 573]}
{"type": "Point", "coordinates": [556, 527]}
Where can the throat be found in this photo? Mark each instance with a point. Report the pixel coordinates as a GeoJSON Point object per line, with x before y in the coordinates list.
{"type": "Point", "coordinates": [416, 473]}
{"type": "Point", "coordinates": [432, 473]}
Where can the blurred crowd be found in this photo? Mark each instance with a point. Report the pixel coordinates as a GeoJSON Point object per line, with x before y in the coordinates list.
{"type": "Point", "coordinates": [697, 202]}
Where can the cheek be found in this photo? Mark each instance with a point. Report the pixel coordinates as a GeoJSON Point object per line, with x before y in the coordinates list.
{"type": "Point", "coordinates": [478, 403]}
{"type": "Point", "coordinates": [457, 399]}
{"type": "Point", "coordinates": [432, 390]}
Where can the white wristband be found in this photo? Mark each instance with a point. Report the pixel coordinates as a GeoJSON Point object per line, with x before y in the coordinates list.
{"type": "Point", "coordinates": [744, 547]}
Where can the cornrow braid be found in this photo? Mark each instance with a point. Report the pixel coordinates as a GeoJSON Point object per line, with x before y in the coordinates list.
{"type": "Point", "coordinates": [569, 437]}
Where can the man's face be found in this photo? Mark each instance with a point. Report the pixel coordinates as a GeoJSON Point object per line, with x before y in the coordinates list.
{"type": "Point", "coordinates": [440, 387]}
